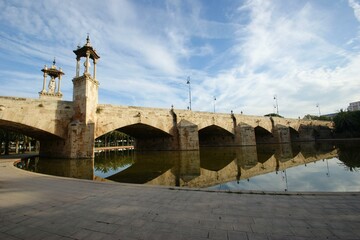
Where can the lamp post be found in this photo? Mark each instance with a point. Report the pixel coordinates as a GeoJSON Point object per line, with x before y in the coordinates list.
{"type": "Point", "coordinates": [188, 82]}
{"type": "Point", "coordinates": [318, 106]}
{"type": "Point", "coordinates": [276, 105]}
{"type": "Point", "coordinates": [214, 103]}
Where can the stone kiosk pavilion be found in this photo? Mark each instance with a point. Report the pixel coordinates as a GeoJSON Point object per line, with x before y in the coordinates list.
{"type": "Point", "coordinates": [54, 74]}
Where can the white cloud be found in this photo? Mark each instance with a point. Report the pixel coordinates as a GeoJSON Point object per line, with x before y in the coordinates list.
{"type": "Point", "coordinates": [356, 6]}
{"type": "Point", "coordinates": [147, 51]}
{"type": "Point", "coordinates": [287, 54]}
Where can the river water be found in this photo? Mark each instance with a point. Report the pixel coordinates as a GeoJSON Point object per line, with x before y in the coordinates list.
{"type": "Point", "coordinates": [327, 166]}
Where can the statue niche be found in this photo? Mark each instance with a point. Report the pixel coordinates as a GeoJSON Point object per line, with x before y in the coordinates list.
{"type": "Point", "coordinates": [53, 91]}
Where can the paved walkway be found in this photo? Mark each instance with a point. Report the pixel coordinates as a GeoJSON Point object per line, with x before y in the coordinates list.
{"type": "Point", "coordinates": [35, 206]}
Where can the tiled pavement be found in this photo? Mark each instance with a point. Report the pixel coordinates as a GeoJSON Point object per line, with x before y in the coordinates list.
{"type": "Point", "coordinates": [35, 206]}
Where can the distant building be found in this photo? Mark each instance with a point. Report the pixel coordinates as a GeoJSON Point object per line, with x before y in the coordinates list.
{"type": "Point", "coordinates": [354, 106]}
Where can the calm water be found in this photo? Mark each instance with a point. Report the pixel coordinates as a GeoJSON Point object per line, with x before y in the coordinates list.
{"type": "Point", "coordinates": [324, 166]}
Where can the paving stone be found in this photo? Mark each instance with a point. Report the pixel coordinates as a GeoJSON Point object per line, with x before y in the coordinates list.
{"type": "Point", "coordinates": [256, 236]}
{"type": "Point", "coordinates": [302, 231]}
{"type": "Point", "coordinates": [344, 234]}
{"type": "Point", "coordinates": [242, 227]}
{"type": "Point", "coordinates": [235, 235]}
{"type": "Point", "coordinates": [195, 233]}
{"type": "Point", "coordinates": [34, 206]}
{"type": "Point", "coordinates": [218, 234]}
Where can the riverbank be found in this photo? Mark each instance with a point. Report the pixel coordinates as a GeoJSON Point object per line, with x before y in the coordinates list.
{"type": "Point", "coordinates": [37, 206]}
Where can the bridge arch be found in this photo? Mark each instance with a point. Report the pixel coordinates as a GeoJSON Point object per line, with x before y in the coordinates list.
{"type": "Point", "coordinates": [263, 122]}
{"type": "Point", "coordinates": [143, 131]}
{"type": "Point", "coordinates": [214, 135]}
{"type": "Point", "coordinates": [294, 134]}
{"type": "Point", "coordinates": [262, 135]}
{"type": "Point", "coordinates": [28, 130]}
{"type": "Point", "coordinates": [225, 124]}
{"type": "Point", "coordinates": [110, 118]}
{"type": "Point", "coordinates": [147, 137]}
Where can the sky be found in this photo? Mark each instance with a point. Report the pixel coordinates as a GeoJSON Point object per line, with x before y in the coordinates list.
{"type": "Point", "coordinates": [241, 53]}
{"type": "Point", "coordinates": [328, 175]}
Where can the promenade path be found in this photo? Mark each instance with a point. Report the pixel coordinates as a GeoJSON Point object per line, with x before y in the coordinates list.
{"type": "Point", "coordinates": [36, 206]}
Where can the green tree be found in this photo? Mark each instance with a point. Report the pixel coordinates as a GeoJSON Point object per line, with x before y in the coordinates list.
{"type": "Point", "coordinates": [112, 138]}
{"type": "Point", "coordinates": [347, 124]}
{"type": "Point", "coordinates": [5, 138]}
{"type": "Point", "coordinates": [8, 137]}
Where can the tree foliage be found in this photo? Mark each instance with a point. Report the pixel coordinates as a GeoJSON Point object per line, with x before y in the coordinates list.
{"type": "Point", "coordinates": [8, 137]}
{"type": "Point", "coordinates": [112, 139]}
{"type": "Point", "coordinates": [347, 124]}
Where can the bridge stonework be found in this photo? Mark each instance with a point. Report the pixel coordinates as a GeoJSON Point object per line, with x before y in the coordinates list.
{"type": "Point", "coordinates": [68, 129]}
{"type": "Point", "coordinates": [64, 130]}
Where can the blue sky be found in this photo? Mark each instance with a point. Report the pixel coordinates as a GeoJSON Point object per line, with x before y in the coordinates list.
{"type": "Point", "coordinates": [242, 52]}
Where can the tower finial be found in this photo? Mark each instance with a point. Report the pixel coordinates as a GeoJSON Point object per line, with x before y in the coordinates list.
{"type": "Point", "coordinates": [53, 65]}
{"type": "Point", "coordinates": [88, 40]}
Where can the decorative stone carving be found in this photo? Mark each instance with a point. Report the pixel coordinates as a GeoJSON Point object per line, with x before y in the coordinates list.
{"type": "Point", "coordinates": [52, 86]}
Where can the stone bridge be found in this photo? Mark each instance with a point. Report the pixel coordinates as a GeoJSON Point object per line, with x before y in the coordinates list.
{"type": "Point", "coordinates": [52, 123]}
{"type": "Point", "coordinates": [168, 129]}
{"type": "Point", "coordinates": [68, 129]}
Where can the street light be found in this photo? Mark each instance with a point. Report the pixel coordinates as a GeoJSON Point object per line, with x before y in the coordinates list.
{"type": "Point", "coordinates": [318, 106]}
{"type": "Point", "coordinates": [188, 82]}
{"type": "Point", "coordinates": [276, 105]}
{"type": "Point", "coordinates": [214, 103]}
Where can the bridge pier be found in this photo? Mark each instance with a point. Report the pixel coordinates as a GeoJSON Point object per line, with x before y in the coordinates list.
{"type": "Point", "coordinates": [281, 134]}
{"type": "Point", "coordinates": [79, 143]}
{"type": "Point", "coordinates": [188, 167]}
{"type": "Point", "coordinates": [284, 152]}
{"type": "Point", "coordinates": [53, 148]}
{"type": "Point", "coordinates": [244, 135]}
{"type": "Point", "coordinates": [188, 135]}
{"type": "Point", "coordinates": [306, 133]}
{"type": "Point", "coordinates": [81, 140]}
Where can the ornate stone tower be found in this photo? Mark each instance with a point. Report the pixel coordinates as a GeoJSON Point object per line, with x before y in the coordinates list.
{"type": "Point", "coordinates": [85, 100]}
{"type": "Point", "coordinates": [81, 129]}
{"type": "Point", "coordinates": [53, 91]}
{"type": "Point", "coordinates": [85, 93]}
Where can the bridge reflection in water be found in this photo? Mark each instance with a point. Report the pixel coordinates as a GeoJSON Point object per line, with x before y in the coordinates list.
{"type": "Point", "coordinates": [210, 167]}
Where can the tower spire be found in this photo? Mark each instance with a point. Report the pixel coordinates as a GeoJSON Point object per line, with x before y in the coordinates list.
{"type": "Point", "coordinates": [88, 40]}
